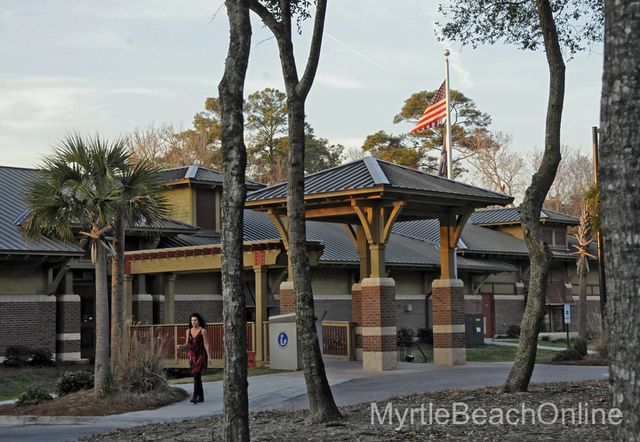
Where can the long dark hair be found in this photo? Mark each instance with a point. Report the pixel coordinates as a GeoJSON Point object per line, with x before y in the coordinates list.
{"type": "Point", "coordinates": [199, 318]}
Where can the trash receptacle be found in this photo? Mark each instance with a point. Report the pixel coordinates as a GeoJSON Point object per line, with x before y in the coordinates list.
{"type": "Point", "coordinates": [474, 329]}
{"type": "Point", "coordinates": [284, 351]}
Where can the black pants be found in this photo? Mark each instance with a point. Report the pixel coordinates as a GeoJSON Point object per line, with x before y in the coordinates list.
{"type": "Point", "coordinates": [198, 393]}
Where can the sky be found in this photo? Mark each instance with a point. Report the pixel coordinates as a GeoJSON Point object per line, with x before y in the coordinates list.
{"type": "Point", "coordinates": [111, 66]}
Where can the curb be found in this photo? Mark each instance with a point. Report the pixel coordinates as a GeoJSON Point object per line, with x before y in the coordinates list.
{"type": "Point", "coordinates": [47, 420]}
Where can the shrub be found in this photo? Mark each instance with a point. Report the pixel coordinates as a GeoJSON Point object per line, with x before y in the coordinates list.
{"type": "Point", "coordinates": [71, 381]}
{"type": "Point", "coordinates": [579, 345]}
{"type": "Point", "coordinates": [41, 357]}
{"type": "Point", "coordinates": [545, 338]}
{"type": "Point", "coordinates": [567, 355]}
{"type": "Point", "coordinates": [425, 335]}
{"type": "Point", "coordinates": [513, 331]}
{"type": "Point", "coordinates": [405, 336]}
{"type": "Point", "coordinates": [17, 355]}
{"type": "Point", "coordinates": [140, 370]}
{"type": "Point", "coordinates": [32, 396]}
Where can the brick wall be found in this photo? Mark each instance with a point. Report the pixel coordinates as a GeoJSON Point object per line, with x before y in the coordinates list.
{"type": "Point", "coordinates": [40, 316]}
{"type": "Point", "coordinates": [507, 312]}
{"type": "Point", "coordinates": [415, 319]}
{"type": "Point", "coordinates": [211, 311]}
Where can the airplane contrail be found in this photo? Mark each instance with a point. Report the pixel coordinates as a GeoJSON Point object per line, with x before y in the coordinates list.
{"type": "Point", "coordinates": [363, 56]}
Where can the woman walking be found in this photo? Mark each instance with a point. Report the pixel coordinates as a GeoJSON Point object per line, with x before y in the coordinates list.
{"type": "Point", "coordinates": [196, 343]}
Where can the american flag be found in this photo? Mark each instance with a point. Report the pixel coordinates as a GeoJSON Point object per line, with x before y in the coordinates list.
{"type": "Point", "coordinates": [435, 113]}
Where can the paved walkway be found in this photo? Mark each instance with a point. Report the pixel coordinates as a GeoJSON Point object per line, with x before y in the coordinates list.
{"type": "Point", "coordinates": [490, 341]}
{"type": "Point", "coordinates": [288, 391]}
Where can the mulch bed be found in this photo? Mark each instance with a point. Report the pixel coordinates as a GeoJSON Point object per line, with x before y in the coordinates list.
{"type": "Point", "coordinates": [359, 425]}
{"type": "Point", "coordinates": [85, 403]}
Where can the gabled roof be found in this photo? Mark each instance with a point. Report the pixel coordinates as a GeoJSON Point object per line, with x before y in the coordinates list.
{"type": "Point", "coordinates": [476, 239]}
{"type": "Point", "coordinates": [14, 182]}
{"type": "Point", "coordinates": [511, 215]}
{"type": "Point", "coordinates": [373, 173]}
{"type": "Point", "coordinates": [199, 174]}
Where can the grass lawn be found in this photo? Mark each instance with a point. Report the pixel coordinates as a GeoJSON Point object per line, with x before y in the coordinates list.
{"type": "Point", "coordinates": [16, 380]}
{"type": "Point", "coordinates": [487, 353]}
{"type": "Point", "coordinates": [215, 374]}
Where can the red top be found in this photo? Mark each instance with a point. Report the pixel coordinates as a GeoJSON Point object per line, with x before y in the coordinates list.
{"type": "Point", "coordinates": [197, 353]}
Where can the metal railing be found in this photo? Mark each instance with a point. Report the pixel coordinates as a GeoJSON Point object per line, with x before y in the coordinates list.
{"type": "Point", "coordinates": [338, 341]}
{"type": "Point", "coordinates": [169, 336]}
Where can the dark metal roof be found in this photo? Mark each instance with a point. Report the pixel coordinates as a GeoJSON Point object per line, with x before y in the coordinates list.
{"type": "Point", "coordinates": [13, 185]}
{"type": "Point", "coordinates": [201, 175]}
{"type": "Point", "coordinates": [339, 248]}
{"type": "Point", "coordinates": [166, 225]}
{"type": "Point", "coordinates": [511, 215]}
{"type": "Point", "coordinates": [370, 172]}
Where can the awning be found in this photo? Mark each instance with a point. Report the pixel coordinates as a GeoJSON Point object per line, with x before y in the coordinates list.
{"type": "Point", "coordinates": [558, 294]}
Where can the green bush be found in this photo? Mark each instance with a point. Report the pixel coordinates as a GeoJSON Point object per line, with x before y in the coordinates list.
{"type": "Point", "coordinates": [513, 331]}
{"type": "Point", "coordinates": [579, 345]}
{"type": "Point", "coordinates": [567, 355]}
{"type": "Point", "coordinates": [33, 396]}
{"type": "Point", "coordinates": [425, 335]}
{"type": "Point", "coordinates": [17, 355]}
{"type": "Point", "coordinates": [41, 357]}
{"type": "Point", "coordinates": [71, 381]}
{"type": "Point", "coordinates": [405, 336]}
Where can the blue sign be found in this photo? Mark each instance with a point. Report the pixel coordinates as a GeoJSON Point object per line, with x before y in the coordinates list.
{"type": "Point", "coordinates": [283, 339]}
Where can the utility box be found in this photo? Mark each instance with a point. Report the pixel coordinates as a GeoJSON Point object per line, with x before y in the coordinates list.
{"type": "Point", "coordinates": [474, 330]}
{"type": "Point", "coordinates": [284, 346]}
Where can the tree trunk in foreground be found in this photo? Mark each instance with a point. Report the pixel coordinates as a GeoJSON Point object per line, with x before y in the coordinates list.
{"type": "Point", "coordinates": [620, 180]}
{"type": "Point", "coordinates": [101, 368]}
{"type": "Point", "coordinates": [234, 153]}
{"type": "Point", "coordinates": [539, 254]}
{"type": "Point", "coordinates": [117, 294]}
{"type": "Point", "coordinates": [321, 404]}
{"type": "Point", "coordinates": [322, 407]}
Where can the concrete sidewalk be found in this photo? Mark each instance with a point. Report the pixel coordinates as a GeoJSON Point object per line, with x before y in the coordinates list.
{"type": "Point", "coordinates": [350, 385]}
{"type": "Point", "coordinates": [490, 341]}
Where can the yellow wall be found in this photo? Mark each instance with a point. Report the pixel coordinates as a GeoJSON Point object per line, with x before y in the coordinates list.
{"type": "Point", "coordinates": [181, 207]}
{"type": "Point", "coordinates": [513, 231]}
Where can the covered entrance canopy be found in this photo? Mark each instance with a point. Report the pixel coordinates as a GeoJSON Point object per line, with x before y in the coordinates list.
{"type": "Point", "coordinates": [368, 196]}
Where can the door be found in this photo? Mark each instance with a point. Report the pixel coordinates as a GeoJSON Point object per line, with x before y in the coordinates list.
{"type": "Point", "coordinates": [87, 321]}
{"type": "Point", "coordinates": [488, 311]}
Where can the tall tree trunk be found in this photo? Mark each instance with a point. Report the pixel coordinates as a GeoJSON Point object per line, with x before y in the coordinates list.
{"type": "Point", "coordinates": [539, 254]}
{"type": "Point", "coordinates": [620, 180]}
{"type": "Point", "coordinates": [117, 293]}
{"type": "Point", "coordinates": [101, 368]}
{"type": "Point", "coordinates": [234, 153]}
{"type": "Point", "coordinates": [582, 306]}
{"type": "Point", "coordinates": [322, 407]}
{"type": "Point", "coordinates": [321, 404]}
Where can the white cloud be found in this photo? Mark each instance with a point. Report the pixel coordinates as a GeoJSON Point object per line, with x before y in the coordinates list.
{"type": "Point", "coordinates": [101, 38]}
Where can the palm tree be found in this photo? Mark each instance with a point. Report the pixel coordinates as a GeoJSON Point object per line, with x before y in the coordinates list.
{"type": "Point", "coordinates": [140, 203]}
{"type": "Point", "coordinates": [78, 192]}
{"type": "Point", "coordinates": [584, 238]}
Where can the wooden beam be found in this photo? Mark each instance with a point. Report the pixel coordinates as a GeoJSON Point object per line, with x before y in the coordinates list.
{"type": "Point", "coordinates": [282, 224]}
{"type": "Point", "coordinates": [388, 225]}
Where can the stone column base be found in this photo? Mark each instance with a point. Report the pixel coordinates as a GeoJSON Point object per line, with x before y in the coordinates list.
{"type": "Point", "coordinates": [379, 350]}
{"type": "Point", "coordinates": [379, 360]}
{"type": "Point", "coordinates": [448, 322]}
{"type": "Point", "coordinates": [287, 298]}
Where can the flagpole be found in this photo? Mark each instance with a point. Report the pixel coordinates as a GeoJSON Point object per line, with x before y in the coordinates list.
{"type": "Point", "coordinates": [448, 130]}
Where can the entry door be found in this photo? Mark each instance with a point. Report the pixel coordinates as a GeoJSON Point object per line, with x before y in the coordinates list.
{"type": "Point", "coordinates": [87, 322]}
{"type": "Point", "coordinates": [488, 313]}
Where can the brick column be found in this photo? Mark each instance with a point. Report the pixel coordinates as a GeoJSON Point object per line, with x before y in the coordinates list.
{"type": "Point", "coordinates": [379, 324]}
{"type": "Point", "coordinates": [356, 317]}
{"type": "Point", "coordinates": [169, 289]}
{"type": "Point", "coordinates": [287, 298]}
{"type": "Point", "coordinates": [448, 322]}
{"type": "Point", "coordinates": [68, 327]}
